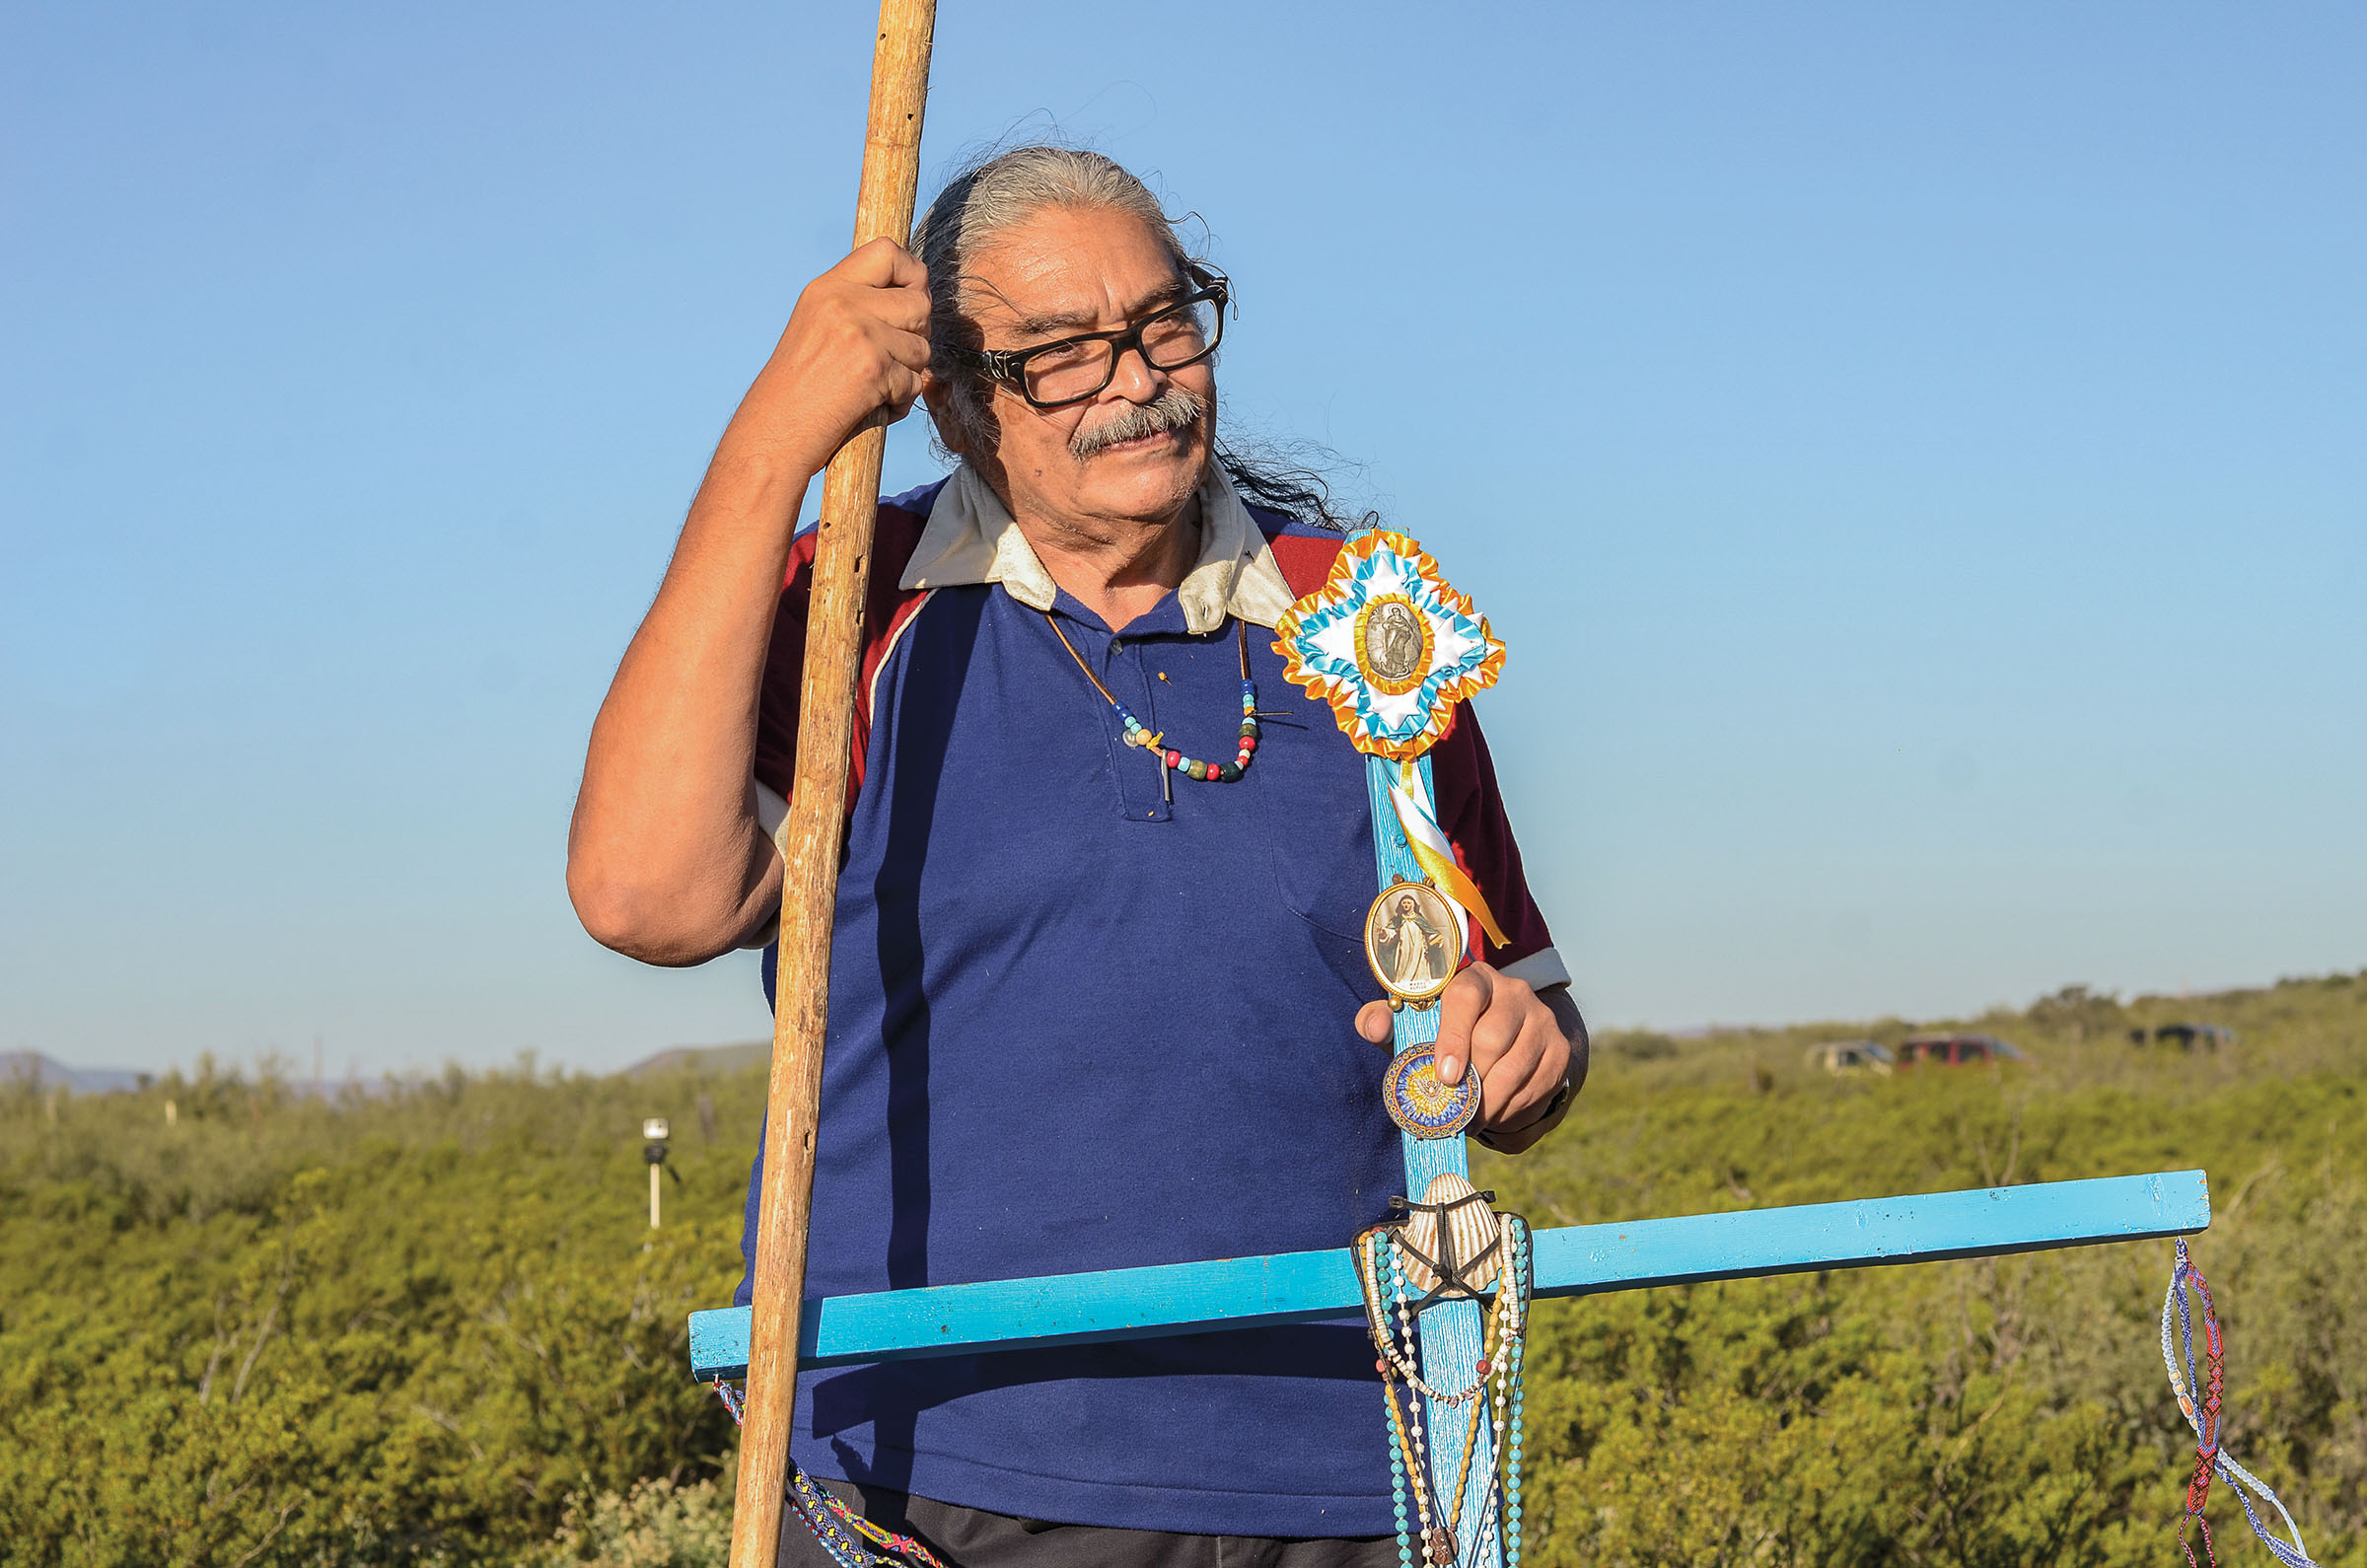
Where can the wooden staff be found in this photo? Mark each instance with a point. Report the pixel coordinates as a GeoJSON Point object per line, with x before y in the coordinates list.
{"type": "Point", "coordinates": [817, 826]}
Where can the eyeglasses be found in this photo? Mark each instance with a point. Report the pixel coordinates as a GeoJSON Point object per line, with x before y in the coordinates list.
{"type": "Point", "coordinates": [1070, 370]}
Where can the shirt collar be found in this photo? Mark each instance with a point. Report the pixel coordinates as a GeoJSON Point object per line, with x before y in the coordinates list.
{"type": "Point", "coordinates": [971, 538]}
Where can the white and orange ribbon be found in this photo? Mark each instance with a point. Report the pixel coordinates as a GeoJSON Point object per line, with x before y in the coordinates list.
{"type": "Point", "coordinates": [1434, 852]}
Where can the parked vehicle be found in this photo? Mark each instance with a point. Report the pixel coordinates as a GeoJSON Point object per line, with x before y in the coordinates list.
{"type": "Point", "coordinates": [1956, 1050]}
{"type": "Point", "coordinates": [1851, 1056]}
{"type": "Point", "coordinates": [2185, 1037]}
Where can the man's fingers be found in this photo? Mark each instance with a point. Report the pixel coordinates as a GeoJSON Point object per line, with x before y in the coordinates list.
{"type": "Point", "coordinates": [898, 390]}
{"type": "Point", "coordinates": [1373, 1023]}
{"type": "Point", "coordinates": [1522, 1080]}
{"type": "Point", "coordinates": [1465, 999]}
{"type": "Point", "coordinates": [908, 349]}
{"type": "Point", "coordinates": [906, 309]}
{"type": "Point", "coordinates": [1499, 1027]}
{"type": "Point", "coordinates": [883, 263]}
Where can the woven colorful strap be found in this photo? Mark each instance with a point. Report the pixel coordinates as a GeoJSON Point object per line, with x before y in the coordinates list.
{"type": "Point", "coordinates": [2210, 1456]}
{"type": "Point", "coordinates": [840, 1531]}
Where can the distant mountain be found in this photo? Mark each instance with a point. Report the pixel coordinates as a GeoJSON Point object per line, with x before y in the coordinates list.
{"type": "Point", "coordinates": [706, 1058]}
{"type": "Point", "coordinates": [31, 1067]}
{"type": "Point", "coordinates": [44, 1072]}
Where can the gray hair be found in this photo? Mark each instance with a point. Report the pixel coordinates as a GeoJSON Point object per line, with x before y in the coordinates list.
{"type": "Point", "coordinates": [993, 195]}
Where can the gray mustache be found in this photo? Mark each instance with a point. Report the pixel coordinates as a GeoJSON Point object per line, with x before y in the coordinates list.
{"type": "Point", "coordinates": [1171, 409]}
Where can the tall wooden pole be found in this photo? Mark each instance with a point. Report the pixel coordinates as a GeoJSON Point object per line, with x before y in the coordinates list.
{"type": "Point", "coordinates": [812, 837]}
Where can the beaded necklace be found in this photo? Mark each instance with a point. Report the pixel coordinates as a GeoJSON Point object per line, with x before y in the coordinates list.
{"type": "Point", "coordinates": [1381, 1268]}
{"type": "Point", "coordinates": [1171, 761]}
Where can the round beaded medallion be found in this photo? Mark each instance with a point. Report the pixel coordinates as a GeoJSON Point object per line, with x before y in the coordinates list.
{"type": "Point", "coordinates": [1422, 1104]}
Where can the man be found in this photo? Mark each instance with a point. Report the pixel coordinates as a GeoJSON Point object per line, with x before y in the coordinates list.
{"type": "Point", "coordinates": [1086, 1012]}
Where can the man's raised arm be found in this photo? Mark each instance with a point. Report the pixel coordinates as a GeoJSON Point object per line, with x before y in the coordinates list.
{"type": "Point", "coordinates": [666, 860]}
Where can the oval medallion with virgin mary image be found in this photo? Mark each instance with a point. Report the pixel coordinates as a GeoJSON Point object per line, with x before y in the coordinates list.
{"type": "Point", "coordinates": [1413, 941]}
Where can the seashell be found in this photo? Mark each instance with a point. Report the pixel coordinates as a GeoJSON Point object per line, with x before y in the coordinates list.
{"type": "Point", "coordinates": [1471, 1229]}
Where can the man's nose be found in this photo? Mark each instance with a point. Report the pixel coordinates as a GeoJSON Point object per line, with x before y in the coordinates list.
{"type": "Point", "coordinates": [1135, 379]}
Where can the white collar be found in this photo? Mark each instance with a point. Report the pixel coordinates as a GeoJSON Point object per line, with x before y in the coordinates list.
{"type": "Point", "coordinates": [970, 538]}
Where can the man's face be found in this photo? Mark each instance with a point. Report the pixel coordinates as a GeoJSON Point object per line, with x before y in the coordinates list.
{"type": "Point", "coordinates": [1060, 273]}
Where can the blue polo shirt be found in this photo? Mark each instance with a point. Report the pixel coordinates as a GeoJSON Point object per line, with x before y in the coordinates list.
{"type": "Point", "coordinates": [1076, 1026]}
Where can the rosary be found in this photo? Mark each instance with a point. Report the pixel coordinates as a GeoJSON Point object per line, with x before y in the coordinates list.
{"type": "Point", "coordinates": [1400, 1277]}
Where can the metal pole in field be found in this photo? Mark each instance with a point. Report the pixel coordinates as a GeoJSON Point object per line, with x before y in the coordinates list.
{"type": "Point", "coordinates": [812, 837]}
{"type": "Point", "coordinates": [654, 1131]}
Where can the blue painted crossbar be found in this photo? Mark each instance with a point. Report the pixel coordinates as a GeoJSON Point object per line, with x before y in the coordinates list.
{"type": "Point", "coordinates": [1575, 1260]}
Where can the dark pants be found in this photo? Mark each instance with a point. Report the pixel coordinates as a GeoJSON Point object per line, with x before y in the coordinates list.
{"type": "Point", "coordinates": [973, 1537]}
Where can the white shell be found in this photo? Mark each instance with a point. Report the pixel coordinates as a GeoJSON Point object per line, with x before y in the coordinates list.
{"type": "Point", "coordinates": [1470, 1230]}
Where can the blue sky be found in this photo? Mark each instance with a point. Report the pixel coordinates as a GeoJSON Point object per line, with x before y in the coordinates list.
{"type": "Point", "coordinates": [1915, 455]}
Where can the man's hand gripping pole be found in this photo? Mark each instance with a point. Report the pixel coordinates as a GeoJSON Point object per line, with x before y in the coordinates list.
{"type": "Point", "coordinates": [817, 826]}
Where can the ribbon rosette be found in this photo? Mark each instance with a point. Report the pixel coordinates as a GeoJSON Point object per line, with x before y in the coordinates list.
{"type": "Point", "coordinates": [1392, 649]}
{"type": "Point", "coordinates": [1389, 645]}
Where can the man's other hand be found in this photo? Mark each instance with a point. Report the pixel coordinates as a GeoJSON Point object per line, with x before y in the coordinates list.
{"type": "Point", "coordinates": [1524, 1046]}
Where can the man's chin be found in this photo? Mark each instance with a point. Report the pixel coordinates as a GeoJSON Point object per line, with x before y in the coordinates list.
{"type": "Point", "coordinates": [1152, 476]}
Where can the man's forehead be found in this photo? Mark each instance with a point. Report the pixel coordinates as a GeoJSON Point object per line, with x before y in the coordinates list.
{"type": "Point", "coordinates": [1066, 270]}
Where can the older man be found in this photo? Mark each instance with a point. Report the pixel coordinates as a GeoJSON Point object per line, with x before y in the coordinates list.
{"type": "Point", "coordinates": [1087, 1011]}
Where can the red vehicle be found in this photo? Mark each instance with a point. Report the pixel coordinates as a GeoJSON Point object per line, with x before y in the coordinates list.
{"type": "Point", "coordinates": [1956, 1050]}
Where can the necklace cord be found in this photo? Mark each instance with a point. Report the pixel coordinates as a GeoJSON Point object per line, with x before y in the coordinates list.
{"type": "Point", "coordinates": [1169, 759]}
{"type": "Point", "coordinates": [1052, 621]}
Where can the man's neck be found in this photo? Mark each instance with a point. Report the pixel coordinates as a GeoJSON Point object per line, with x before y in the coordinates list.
{"type": "Point", "coordinates": [1118, 568]}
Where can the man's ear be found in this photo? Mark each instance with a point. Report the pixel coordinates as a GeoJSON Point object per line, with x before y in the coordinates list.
{"type": "Point", "coordinates": [937, 398]}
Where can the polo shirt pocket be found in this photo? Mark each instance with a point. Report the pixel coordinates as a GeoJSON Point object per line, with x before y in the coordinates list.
{"type": "Point", "coordinates": [1318, 831]}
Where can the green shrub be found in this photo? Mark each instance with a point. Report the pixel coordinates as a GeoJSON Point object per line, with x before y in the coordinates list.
{"type": "Point", "coordinates": [413, 1329]}
{"type": "Point", "coordinates": [430, 1324]}
{"type": "Point", "coordinates": [656, 1525]}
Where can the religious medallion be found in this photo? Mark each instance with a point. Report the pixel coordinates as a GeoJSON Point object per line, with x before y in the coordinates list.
{"type": "Point", "coordinates": [1413, 942]}
{"type": "Point", "coordinates": [1389, 645]}
{"type": "Point", "coordinates": [1393, 644]}
{"type": "Point", "coordinates": [1422, 1104]}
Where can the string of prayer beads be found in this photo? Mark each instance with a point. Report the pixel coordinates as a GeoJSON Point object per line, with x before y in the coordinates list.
{"type": "Point", "coordinates": [1494, 1399]}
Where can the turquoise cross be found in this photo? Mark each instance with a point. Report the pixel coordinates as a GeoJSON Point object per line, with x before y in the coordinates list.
{"type": "Point", "coordinates": [1575, 1260]}
{"type": "Point", "coordinates": [1398, 715]}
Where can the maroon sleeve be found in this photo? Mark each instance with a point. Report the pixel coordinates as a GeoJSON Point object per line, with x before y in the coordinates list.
{"type": "Point", "coordinates": [886, 606]}
{"type": "Point", "coordinates": [784, 671]}
{"type": "Point", "coordinates": [1463, 781]}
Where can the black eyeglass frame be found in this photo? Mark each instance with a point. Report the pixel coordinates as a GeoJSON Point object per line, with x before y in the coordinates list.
{"type": "Point", "coordinates": [1010, 364]}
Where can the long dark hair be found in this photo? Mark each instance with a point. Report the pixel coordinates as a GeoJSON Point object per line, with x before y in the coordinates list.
{"type": "Point", "coordinates": [1284, 480]}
